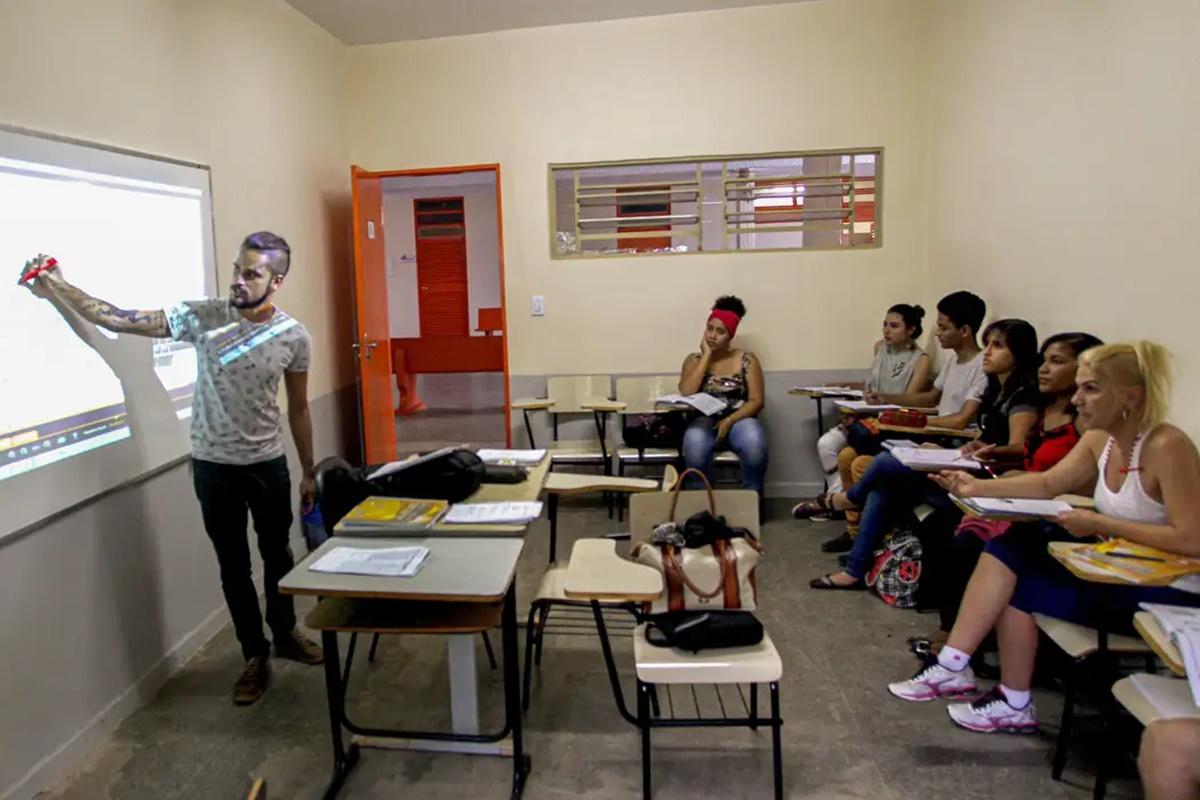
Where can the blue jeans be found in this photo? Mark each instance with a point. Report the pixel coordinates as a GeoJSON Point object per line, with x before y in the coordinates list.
{"type": "Point", "coordinates": [886, 494]}
{"type": "Point", "coordinates": [746, 438]}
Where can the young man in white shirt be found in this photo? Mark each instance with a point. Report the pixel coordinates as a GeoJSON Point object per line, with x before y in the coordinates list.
{"type": "Point", "coordinates": [244, 345]}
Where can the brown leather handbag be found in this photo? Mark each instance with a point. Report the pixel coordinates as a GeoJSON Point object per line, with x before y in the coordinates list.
{"type": "Point", "coordinates": [720, 575]}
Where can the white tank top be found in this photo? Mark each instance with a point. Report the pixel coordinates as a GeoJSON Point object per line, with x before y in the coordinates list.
{"type": "Point", "coordinates": [1130, 502]}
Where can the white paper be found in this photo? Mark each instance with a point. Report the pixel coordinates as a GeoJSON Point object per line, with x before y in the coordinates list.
{"type": "Point", "coordinates": [864, 406]}
{"type": "Point", "coordinates": [1018, 505]}
{"type": "Point", "coordinates": [703, 402]}
{"type": "Point", "coordinates": [492, 513]}
{"type": "Point", "coordinates": [1170, 697]}
{"type": "Point", "coordinates": [382, 562]}
{"type": "Point", "coordinates": [523, 458]}
{"type": "Point", "coordinates": [397, 466]}
{"type": "Point", "coordinates": [898, 444]}
{"type": "Point", "coordinates": [1182, 626]}
{"type": "Point", "coordinates": [839, 391]}
{"type": "Point", "coordinates": [930, 457]}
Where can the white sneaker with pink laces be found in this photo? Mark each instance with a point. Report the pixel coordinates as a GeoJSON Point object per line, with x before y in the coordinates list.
{"type": "Point", "coordinates": [992, 714]}
{"type": "Point", "coordinates": [935, 681]}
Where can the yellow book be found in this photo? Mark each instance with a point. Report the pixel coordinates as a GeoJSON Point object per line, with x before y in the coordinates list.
{"type": "Point", "coordinates": [394, 514]}
{"type": "Point", "coordinates": [1133, 563]}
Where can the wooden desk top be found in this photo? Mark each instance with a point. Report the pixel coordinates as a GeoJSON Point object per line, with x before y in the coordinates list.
{"type": "Point", "coordinates": [1159, 642]}
{"type": "Point", "coordinates": [824, 395]}
{"type": "Point", "coordinates": [476, 570]}
{"type": "Point", "coordinates": [1060, 550]}
{"type": "Point", "coordinates": [563, 483]}
{"type": "Point", "coordinates": [932, 431]}
{"type": "Point", "coordinates": [604, 405]}
{"type": "Point", "coordinates": [526, 491]}
{"type": "Point", "coordinates": [596, 572]}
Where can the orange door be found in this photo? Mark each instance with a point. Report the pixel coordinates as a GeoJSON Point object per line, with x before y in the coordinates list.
{"type": "Point", "coordinates": [373, 345]}
{"type": "Point", "coordinates": [442, 267]}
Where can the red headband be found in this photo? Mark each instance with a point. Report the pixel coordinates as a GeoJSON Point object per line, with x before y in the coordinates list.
{"type": "Point", "coordinates": [730, 320]}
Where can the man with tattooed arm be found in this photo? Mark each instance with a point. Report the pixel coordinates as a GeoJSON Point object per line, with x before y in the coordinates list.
{"type": "Point", "coordinates": [244, 344]}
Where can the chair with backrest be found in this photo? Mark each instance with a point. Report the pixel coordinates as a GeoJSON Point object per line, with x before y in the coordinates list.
{"type": "Point", "coordinates": [725, 670]}
{"type": "Point", "coordinates": [637, 396]}
{"type": "Point", "coordinates": [551, 592]}
{"type": "Point", "coordinates": [574, 395]}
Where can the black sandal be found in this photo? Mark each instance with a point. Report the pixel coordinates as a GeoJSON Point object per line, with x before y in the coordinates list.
{"type": "Point", "coordinates": [825, 582]}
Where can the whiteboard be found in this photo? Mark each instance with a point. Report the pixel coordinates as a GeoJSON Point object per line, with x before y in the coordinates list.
{"type": "Point", "coordinates": [84, 411]}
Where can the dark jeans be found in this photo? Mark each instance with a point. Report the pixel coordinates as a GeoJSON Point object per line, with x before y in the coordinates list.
{"type": "Point", "coordinates": [886, 494]}
{"type": "Point", "coordinates": [226, 492]}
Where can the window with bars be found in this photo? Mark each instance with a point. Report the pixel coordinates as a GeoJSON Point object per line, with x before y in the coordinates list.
{"type": "Point", "coordinates": [771, 202]}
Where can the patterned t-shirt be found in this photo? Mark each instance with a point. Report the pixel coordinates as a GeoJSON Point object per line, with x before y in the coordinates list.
{"type": "Point", "coordinates": [235, 409]}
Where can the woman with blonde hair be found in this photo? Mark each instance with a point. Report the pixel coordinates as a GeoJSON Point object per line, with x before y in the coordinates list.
{"type": "Point", "coordinates": [1147, 477]}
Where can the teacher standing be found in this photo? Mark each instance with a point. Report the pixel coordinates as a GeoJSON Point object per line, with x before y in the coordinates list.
{"type": "Point", "coordinates": [244, 345]}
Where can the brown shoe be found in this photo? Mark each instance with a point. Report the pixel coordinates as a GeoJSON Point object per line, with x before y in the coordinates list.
{"type": "Point", "coordinates": [253, 681]}
{"type": "Point", "coordinates": [298, 647]}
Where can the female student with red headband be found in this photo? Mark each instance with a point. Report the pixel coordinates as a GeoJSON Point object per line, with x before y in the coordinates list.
{"type": "Point", "coordinates": [734, 376]}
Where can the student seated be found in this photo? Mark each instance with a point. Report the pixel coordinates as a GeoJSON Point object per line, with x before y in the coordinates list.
{"type": "Point", "coordinates": [956, 392]}
{"type": "Point", "coordinates": [949, 565]}
{"type": "Point", "coordinates": [1169, 760]}
{"type": "Point", "coordinates": [900, 366]}
{"type": "Point", "coordinates": [1147, 475]}
{"type": "Point", "coordinates": [888, 490]}
{"type": "Point", "coordinates": [734, 376]}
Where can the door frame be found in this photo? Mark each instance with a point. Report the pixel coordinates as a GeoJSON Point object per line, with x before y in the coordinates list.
{"type": "Point", "coordinates": [494, 168]}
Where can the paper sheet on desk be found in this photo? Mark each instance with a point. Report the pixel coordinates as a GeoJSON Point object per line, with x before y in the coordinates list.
{"type": "Point", "coordinates": [1018, 505]}
{"type": "Point", "coordinates": [492, 513]}
{"type": "Point", "coordinates": [522, 458]}
{"type": "Point", "coordinates": [839, 391]}
{"type": "Point", "coordinates": [863, 405]}
{"type": "Point", "coordinates": [934, 457]}
{"type": "Point", "coordinates": [1182, 626]}
{"type": "Point", "coordinates": [382, 562]}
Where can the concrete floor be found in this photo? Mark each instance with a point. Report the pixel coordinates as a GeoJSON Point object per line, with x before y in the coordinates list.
{"type": "Point", "coordinates": [844, 736]}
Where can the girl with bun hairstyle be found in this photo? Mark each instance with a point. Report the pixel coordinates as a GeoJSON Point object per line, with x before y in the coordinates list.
{"type": "Point", "coordinates": [899, 366]}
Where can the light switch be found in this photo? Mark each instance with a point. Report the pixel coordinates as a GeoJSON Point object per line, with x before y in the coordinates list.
{"type": "Point", "coordinates": [538, 306]}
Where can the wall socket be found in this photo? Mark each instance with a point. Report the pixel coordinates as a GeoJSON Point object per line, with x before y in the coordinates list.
{"type": "Point", "coordinates": [537, 306]}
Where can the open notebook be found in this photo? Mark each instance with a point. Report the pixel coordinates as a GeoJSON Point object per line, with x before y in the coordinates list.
{"type": "Point", "coordinates": [933, 458]}
{"type": "Point", "coordinates": [1182, 626]}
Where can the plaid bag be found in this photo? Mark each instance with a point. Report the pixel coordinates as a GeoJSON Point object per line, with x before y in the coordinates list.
{"type": "Point", "coordinates": [896, 572]}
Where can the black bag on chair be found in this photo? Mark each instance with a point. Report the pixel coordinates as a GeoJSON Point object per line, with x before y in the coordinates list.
{"type": "Point", "coordinates": [703, 630]}
{"type": "Point", "coordinates": [650, 431]}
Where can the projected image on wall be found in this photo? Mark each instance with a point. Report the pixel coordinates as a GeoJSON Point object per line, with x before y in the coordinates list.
{"type": "Point", "coordinates": [66, 386]}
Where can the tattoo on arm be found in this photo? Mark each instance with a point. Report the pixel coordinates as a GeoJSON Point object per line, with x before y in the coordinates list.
{"type": "Point", "coordinates": [118, 320]}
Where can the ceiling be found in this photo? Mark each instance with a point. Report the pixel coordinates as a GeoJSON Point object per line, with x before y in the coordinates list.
{"type": "Point", "coordinates": [357, 22]}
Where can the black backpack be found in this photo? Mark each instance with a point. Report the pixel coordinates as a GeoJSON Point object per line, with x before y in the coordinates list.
{"type": "Point", "coordinates": [652, 431]}
{"type": "Point", "coordinates": [453, 477]}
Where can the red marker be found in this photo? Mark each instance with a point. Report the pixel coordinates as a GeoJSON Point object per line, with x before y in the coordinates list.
{"type": "Point", "coordinates": [33, 273]}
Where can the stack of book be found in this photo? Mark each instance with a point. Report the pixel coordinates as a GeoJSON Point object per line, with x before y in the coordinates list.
{"type": "Point", "coordinates": [384, 515]}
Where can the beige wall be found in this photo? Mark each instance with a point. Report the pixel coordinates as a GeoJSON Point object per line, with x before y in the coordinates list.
{"type": "Point", "coordinates": [805, 76]}
{"type": "Point", "coordinates": [102, 603]}
{"type": "Point", "coordinates": [1064, 167]}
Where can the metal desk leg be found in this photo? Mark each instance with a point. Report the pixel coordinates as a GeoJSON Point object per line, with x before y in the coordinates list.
{"type": "Point", "coordinates": [522, 764]}
{"type": "Point", "coordinates": [464, 684]}
{"type": "Point", "coordinates": [343, 759]}
{"type": "Point", "coordinates": [820, 433]}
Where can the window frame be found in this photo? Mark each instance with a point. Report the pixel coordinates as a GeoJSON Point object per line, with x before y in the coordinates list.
{"type": "Point", "coordinates": [699, 162]}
